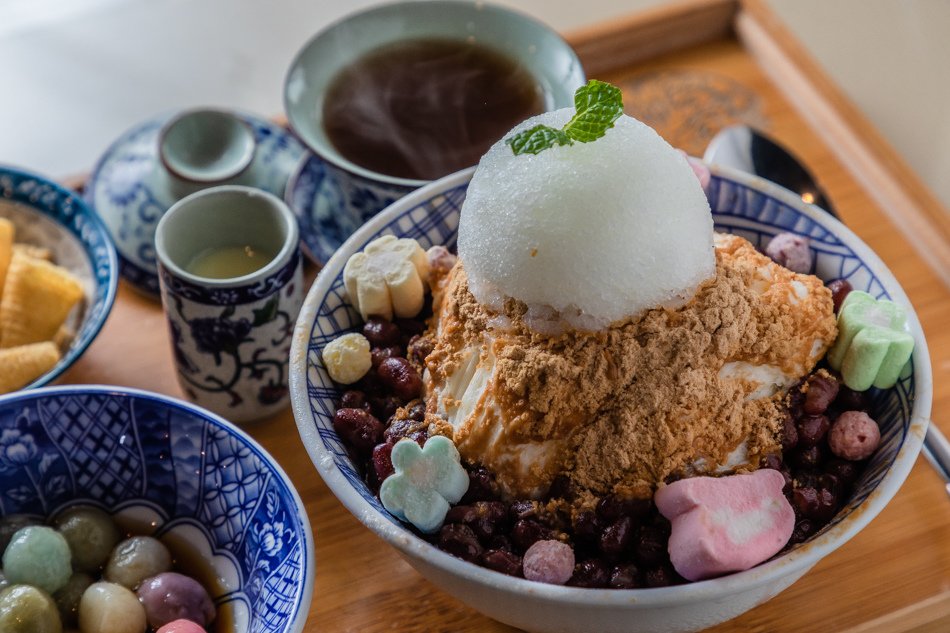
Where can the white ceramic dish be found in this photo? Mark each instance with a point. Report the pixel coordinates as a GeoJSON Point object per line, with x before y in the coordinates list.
{"type": "Point", "coordinates": [742, 204]}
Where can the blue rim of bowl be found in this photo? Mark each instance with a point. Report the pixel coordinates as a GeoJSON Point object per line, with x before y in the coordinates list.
{"type": "Point", "coordinates": [79, 347]}
{"type": "Point", "coordinates": [315, 244]}
{"type": "Point", "coordinates": [306, 594]}
{"type": "Point", "coordinates": [793, 563]}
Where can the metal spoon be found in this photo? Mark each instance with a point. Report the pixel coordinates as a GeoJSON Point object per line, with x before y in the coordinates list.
{"type": "Point", "coordinates": [744, 148]}
{"type": "Point", "coordinates": [749, 150]}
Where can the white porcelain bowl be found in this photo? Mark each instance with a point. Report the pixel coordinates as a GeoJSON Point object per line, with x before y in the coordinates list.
{"type": "Point", "coordinates": [742, 204]}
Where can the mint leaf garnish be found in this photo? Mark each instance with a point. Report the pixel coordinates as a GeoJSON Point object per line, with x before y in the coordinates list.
{"type": "Point", "coordinates": [597, 105]}
{"type": "Point", "coordinates": [538, 138]}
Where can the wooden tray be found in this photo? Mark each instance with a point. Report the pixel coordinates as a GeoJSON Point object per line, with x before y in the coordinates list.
{"type": "Point", "coordinates": [684, 70]}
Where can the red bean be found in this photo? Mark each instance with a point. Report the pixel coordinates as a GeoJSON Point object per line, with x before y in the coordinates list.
{"type": "Point", "coordinates": [486, 518]}
{"type": "Point", "coordinates": [625, 577]}
{"type": "Point", "coordinates": [807, 458]}
{"type": "Point", "coordinates": [502, 561]}
{"type": "Point", "coordinates": [588, 528]}
{"type": "Point", "coordinates": [812, 430]}
{"type": "Point", "coordinates": [481, 485]}
{"type": "Point", "coordinates": [650, 546]}
{"type": "Point", "coordinates": [419, 348]}
{"type": "Point", "coordinates": [613, 507]}
{"type": "Point", "coordinates": [591, 573]}
{"type": "Point", "coordinates": [802, 530]}
{"type": "Point", "coordinates": [358, 428]}
{"type": "Point", "coordinates": [840, 288]}
{"type": "Point", "coordinates": [789, 434]}
{"type": "Point", "coordinates": [383, 461]}
{"type": "Point", "coordinates": [822, 391]}
{"type": "Point", "coordinates": [662, 576]}
{"type": "Point", "coordinates": [354, 399]}
{"type": "Point", "coordinates": [399, 377]}
{"type": "Point", "coordinates": [460, 541]}
{"type": "Point", "coordinates": [383, 407]}
{"type": "Point", "coordinates": [523, 509]}
{"type": "Point", "coordinates": [381, 333]}
{"type": "Point", "coordinates": [526, 532]}
{"type": "Point", "coordinates": [616, 537]}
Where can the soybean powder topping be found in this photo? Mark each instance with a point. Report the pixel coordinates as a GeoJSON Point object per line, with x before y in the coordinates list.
{"type": "Point", "coordinates": [631, 405]}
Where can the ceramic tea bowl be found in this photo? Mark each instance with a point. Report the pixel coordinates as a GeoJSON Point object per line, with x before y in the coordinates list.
{"type": "Point", "coordinates": [357, 193]}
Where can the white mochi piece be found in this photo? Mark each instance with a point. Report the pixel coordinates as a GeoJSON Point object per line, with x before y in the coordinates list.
{"type": "Point", "coordinates": [586, 234]}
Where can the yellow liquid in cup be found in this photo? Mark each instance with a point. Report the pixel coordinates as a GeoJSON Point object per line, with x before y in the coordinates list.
{"type": "Point", "coordinates": [228, 262]}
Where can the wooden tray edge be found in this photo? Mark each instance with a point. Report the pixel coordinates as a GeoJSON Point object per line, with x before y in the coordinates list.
{"type": "Point", "coordinates": [857, 144]}
{"type": "Point", "coordinates": [647, 34]}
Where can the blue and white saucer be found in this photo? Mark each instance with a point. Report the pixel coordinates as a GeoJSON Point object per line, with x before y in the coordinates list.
{"type": "Point", "coordinates": [130, 190]}
{"type": "Point", "coordinates": [317, 207]}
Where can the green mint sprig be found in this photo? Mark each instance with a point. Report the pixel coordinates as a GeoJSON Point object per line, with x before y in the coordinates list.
{"type": "Point", "coordinates": [596, 106]}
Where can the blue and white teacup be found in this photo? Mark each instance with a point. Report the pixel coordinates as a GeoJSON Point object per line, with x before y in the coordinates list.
{"type": "Point", "coordinates": [364, 192]}
{"type": "Point", "coordinates": [231, 336]}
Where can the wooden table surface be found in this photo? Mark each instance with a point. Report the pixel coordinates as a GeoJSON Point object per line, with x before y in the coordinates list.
{"type": "Point", "coordinates": [893, 576]}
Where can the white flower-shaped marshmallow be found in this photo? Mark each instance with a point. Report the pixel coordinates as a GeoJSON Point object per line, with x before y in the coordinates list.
{"type": "Point", "coordinates": [387, 278]}
{"type": "Point", "coordinates": [424, 482]}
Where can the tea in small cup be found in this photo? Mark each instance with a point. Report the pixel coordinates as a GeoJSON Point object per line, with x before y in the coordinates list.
{"type": "Point", "coordinates": [231, 285]}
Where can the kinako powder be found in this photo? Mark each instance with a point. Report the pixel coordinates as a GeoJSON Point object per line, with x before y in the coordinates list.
{"type": "Point", "coordinates": [628, 407]}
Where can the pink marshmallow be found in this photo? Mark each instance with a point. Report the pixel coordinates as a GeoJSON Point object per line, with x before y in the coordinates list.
{"type": "Point", "coordinates": [725, 524]}
{"type": "Point", "coordinates": [182, 626]}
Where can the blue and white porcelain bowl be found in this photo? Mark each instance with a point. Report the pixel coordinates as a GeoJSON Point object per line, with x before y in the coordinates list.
{"type": "Point", "coordinates": [49, 215]}
{"type": "Point", "coordinates": [176, 471]}
{"type": "Point", "coordinates": [741, 204]}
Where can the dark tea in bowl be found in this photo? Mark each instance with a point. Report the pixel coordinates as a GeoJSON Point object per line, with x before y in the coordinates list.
{"type": "Point", "coordinates": [393, 97]}
{"type": "Point", "coordinates": [425, 108]}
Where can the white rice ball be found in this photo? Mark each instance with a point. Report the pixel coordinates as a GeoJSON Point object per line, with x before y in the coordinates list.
{"type": "Point", "coordinates": [590, 233]}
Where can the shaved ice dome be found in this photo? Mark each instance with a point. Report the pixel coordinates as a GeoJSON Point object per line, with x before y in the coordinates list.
{"type": "Point", "coordinates": [589, 233]}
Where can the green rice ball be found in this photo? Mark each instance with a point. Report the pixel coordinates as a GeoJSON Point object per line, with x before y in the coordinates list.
{"type": "Point", "coordinates": [38, 556]}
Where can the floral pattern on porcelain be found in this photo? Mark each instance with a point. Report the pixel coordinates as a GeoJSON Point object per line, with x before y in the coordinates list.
{"type": "Point", "coordinates": [131, 190]}
{"type": "Point", "coordinates": [331, 203]}
{"type": "Point", "coordinates": [231, 344]}
{"type": "Point", "coordinates": [188, 473]}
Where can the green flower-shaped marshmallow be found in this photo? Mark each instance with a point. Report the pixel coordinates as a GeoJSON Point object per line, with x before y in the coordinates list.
{"type": "Point", "coordinates": [425, 481]}
{"type": "Point", "coordinates": [872, 346]}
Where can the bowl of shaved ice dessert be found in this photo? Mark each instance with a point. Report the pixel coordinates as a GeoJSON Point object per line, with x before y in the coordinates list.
{"type": "Point", "coordinates": [123, 511]}
{"type": "Point", "coordinates": [594, 385]}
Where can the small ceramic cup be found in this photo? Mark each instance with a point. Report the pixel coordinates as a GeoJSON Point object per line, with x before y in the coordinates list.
{"type": "Point", "coordinates": [231, 337]}
{"type": "Point", "coordinates": [202, 148]}
{"type": "Point", "coordinates": [364, 192]}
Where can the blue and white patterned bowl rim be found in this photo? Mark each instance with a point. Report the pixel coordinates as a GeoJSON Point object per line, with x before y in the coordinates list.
{"type": "Point", "coordinates": [69, 210]}
{"type": "Point", "coordinates": [431, 213]}
{"type": "Point", "coordinates": [289, 493]}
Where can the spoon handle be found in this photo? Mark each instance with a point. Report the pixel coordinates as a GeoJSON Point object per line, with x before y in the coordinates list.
{"type": "Point", "coordinates": [937, 451]}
